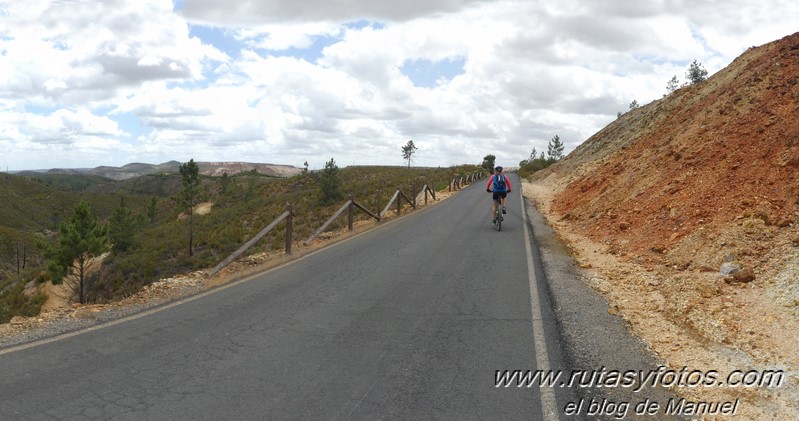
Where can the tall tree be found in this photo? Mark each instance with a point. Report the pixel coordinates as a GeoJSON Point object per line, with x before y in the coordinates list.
{"type": "Point", "coordinates": [190, 172]}
{"type": "Point", "coordinates": [696, 73]}
{"type": "Point", "coordinates": [555, 149]}
{"type": "Point", "coordinates": [121, 229]}
{"type": "Point", "coordinates": [224, 183]}
{"type": "Point", "coordinates": [80, 239]}
{"type": "Point", "coordinates": [408, 151]}
{"type": "Point", "coordinates": [488, 163]}
{"type": "Point", "coordinates": [250, 193]}
{"type": "Point", "coordinates": [152, 209]}
{"type": "Point", "coordinates": [329, 183]}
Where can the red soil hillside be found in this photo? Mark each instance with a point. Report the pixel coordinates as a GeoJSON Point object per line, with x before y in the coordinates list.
{"type": "Point", "coordinates": [686, 210]}
{"type": "Point", "coordinates": [707, 154]}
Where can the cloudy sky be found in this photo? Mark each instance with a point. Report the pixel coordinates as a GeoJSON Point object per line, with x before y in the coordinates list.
{"type": "Point", "coordinates": [86, 83]}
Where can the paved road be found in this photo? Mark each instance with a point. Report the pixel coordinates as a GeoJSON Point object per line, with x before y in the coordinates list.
{"type": "Point", "coordinates": [408, 321]}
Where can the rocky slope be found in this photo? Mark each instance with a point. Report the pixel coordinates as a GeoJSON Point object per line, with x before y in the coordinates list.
{"type": "Point", "coordinates": [686, 213]}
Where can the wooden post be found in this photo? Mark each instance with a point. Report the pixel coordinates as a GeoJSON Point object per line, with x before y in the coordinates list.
{"type": "Point", "coordinates": [248, 244]}
{"type": "Point", "coordinates": [399, 202]}
{"type": "Point", "coordinates": [377, 205]}
{"type": "Point", "coordinates": [329, 221]}
{"type": "Point", "coordinates": [350, 214]}
{"type": "Point", "coordinates": [413, 194]}
{"type": "Point", "coordinates": [425, 188]}
{"type": "Point", "coordinates": [289, 228]}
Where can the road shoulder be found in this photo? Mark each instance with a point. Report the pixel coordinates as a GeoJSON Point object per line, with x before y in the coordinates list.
{"type": "Point", "coordinates": [595, 341]}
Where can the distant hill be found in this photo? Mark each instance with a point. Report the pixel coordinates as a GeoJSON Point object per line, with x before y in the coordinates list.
{"type": "Point", "coordinates": [139, 169]}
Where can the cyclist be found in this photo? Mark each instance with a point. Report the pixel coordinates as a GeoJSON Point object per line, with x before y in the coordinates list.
{"type": "Point", "coordinates": [499, 184]}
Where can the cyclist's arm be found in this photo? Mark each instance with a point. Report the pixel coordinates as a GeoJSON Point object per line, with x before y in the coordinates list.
{"type": "Point", "coordinates": [507, 181]}
{"type": "Point", "coordinates": [488, 186]}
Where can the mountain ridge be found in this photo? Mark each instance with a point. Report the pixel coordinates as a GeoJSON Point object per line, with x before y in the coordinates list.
{"type": "Point", "coordinates": [210, 168]}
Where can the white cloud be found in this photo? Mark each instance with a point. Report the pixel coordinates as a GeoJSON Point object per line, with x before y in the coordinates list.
{"type": "Point", "coordinates": [253, 12]}
{"type": "Point", "coordinates": [108, 81]}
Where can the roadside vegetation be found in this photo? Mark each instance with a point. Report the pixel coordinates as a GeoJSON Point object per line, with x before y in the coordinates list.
{"type": "Point", "coordinates": [151, 233]}
{"type": "Point", "coordinates": [537, 161]}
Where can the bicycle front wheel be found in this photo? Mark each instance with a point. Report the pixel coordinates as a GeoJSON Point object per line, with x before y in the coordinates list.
{"type": "Point", "coordinates": [499, 217]}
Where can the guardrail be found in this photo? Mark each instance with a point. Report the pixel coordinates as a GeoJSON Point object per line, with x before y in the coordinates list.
{"type": "Point", "coordinates": [350, 206]}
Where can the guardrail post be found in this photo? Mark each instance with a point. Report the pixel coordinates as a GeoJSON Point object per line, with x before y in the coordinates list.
{"type": "Point", "coordinates": [399, 202]}
{"type": "Point", "coordinates": [350, 214]}
{"type": "Point", "coordinates": [413, 194]}
{"type": "Point", "coordinates": [289, 228]}
{"type": "Point", "coordinates": [377, 205]}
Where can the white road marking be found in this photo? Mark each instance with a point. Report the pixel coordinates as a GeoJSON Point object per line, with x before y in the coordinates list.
{"type": "Point", "coordinates": [549, 406]}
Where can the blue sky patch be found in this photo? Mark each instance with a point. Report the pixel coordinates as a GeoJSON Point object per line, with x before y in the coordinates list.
{"type": "Point", "coordinates": [310, 54]}
{"type": "Point", "coordinates": [428, 74]}
{"type": "Point", "coordinates": [220, 38]}
{"type": "Point", "coordinates": [39, 109]}
{"type": "Point", "coordinates": [130, 124]}
{"type": "Point", "coordinates": [363, 23]}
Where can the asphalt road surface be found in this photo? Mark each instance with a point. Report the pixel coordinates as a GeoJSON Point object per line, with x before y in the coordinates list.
{"type": "Point", "coordinates": [410, 321]}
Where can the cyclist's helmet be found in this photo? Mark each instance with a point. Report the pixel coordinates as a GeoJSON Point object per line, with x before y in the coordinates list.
{"type": "Point", "coordinates": [498, 169]}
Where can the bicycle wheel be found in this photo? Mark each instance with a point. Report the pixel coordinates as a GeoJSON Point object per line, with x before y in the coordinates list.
{"type": "Point", "coordinates": [499, 216]}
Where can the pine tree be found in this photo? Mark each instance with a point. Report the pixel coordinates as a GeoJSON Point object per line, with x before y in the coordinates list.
{"type": "Point", "coordinates": [407, 151]}
{"type": "Point", "coordinates": [696, 73]}
{"type": "Point", "coordinates": [672, 85]}
{"type": "Point", "coordinates": [488, 163]}
{"type": "Point", "coordinates": [554, 149]}
{"type": "Point", "coordinates": [329, 183]}
{"type": "Point", "coordinates": [152, 209]}
{"type": "Point", "coordinates": [190, 172]}
{"type": "Point", "coordinates": [121, 229]}
{"type": "Point", "coordinates": [80, 239]}
{"type": "Point", "coordinates": [224, 184]}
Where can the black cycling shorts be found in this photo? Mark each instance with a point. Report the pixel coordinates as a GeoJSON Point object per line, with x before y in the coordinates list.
{"type": "Point", "coordinates": [497, 195]}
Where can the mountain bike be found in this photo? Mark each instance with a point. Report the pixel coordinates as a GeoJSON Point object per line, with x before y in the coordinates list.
{"type": "Point", "coordinates": [498, 216]}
